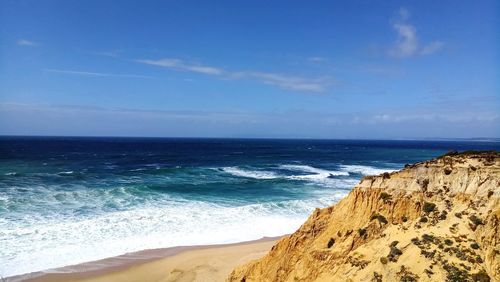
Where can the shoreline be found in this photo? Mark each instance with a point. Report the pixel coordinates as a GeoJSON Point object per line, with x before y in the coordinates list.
{"type": "Point", "coordinates": [137, 266]}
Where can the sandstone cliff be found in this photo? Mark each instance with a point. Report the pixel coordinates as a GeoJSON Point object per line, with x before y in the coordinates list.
{"type": "Point", "coordinates": [437, 220]}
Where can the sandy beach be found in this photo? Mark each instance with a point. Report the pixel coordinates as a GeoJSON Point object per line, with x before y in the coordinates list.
{"type": "Point", "coordinates": [192, 263]}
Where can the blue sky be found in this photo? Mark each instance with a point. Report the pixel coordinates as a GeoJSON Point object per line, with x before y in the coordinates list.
{"type": "Point", "coordinates": [332, 69]}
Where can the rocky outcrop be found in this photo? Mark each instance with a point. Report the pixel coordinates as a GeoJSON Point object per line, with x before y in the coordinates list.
{"type": "Point", "coordinates": [437, 220]}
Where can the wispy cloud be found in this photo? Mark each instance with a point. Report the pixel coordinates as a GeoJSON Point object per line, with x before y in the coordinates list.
{"type": "Point", "coordinates": [432, 47]}
{"type": "Point", "coordinates": [49, 119]}
{"type": "Point", "coordinates": [24, 42]}
{"type": "Point", "coordinates": [98, 74]}
{"type": "Point", "coordinates": [178, 64]}
{"type": "Point", "coordinates": [112, 53]}
{"type": "Point", "coordinates": [290, 82]}
{"type": "Point", "coordinates": [381, 70]}
{"type": "Point", "coordinates": [284, 81]}
{"type": "Point", "coordinates": [432, 117]}
{"type": "Point", "coordinates": [403, 13]}
{"type": "Point", "coordinates": [407, 44]}
{"type": "Point", "coordinates": [317, 59]}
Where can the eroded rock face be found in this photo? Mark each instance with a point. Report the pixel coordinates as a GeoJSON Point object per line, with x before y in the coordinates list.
{"type": "Point", "coordinates": [437, 220]}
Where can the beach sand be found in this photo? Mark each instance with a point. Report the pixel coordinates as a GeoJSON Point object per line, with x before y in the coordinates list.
{"type": "Point", "coordinates": [195, 263]}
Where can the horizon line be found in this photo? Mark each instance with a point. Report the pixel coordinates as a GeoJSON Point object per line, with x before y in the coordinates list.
{"type": "Point", "coordinates": [479, 139]}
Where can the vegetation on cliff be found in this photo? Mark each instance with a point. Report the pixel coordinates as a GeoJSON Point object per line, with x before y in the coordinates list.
{"type": "Point", "coordinates": [437, 220]}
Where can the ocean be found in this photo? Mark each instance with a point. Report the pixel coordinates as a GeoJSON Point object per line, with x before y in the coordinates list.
{"type": "Point", "coordinates": [66, 200]}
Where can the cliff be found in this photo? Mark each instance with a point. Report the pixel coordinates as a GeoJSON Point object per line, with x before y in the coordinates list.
{"type": "Point", "coordinates": [437, 220]}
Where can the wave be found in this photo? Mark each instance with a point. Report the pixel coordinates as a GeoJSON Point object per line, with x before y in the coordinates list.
{"type": "Point", "coordinates": [317, 171]}
{"type": "Point", "coordinates": [70, 222]}
{"type": "Point", "coordinates": [255, 174]}
{"type": "Point", "coordinates": [156, 224]}
{"type": "Point", "coordinates": [138, 169]}
{"type": "Point", "coordinates": [156, 168]}
{"type": "Point", "coordinates": [154, 165]}
{"type": "Point", "coordinates": [4, 198]}
{"type": "Point", "coordinates": [365, 170]}
{"type": "Point", "coordinates": [309, 174]}
{"type": "Point", "coordinates": [319, 176]}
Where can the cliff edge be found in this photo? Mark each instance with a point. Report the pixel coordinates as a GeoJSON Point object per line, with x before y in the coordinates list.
{"type": "Point", "coordinates": [437, 220]}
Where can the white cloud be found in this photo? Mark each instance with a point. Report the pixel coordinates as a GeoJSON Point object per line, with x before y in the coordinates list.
{"type": "Point", "coordinates": [284, 81]}
{"type": "Point", "coordinates": [407, 43]}
{"type": "Point", "coordinates": [316, 59]}
{"type": "Point", "coordinates": [178, 64]}
{"type": "Point", "coordinates": [100, 74]}
{"type": "Point", "coordinates": [432, 117]}
{"type": "Point", "coordinates": [24, 42]}
{"type": "Point", "coordinates": [404, 14]}
{"type": "Point", "coordinates": [382, 70]}
{"type": "Point", "coordinates": [112, 53]}
{"type": "Point", "coordinates": [295, 83]}
{"type": "Point", "coordinates": [47, 119]}
{"type": "Point", "coordinates": [432, 47]}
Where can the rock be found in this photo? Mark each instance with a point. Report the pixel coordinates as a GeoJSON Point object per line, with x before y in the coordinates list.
{"type": "Point", "coordinates": [463, 247]}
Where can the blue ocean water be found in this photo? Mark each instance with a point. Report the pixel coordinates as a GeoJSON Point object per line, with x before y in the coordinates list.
{"type": "Point", "coordinates": [69, 200]}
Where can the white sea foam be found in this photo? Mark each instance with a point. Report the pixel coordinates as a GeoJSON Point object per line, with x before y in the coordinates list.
{"type": "Point", "coordinates": [138, 169]}
{"type": "Point", "coordinates": [306, 173]}
{"type": "Point", "coordinates": [256, 174]}
{"type": "Point", "coordinates": [68, 240]}
{"type": "Point", "coordinates": [316, 171]}
{"type": "Point", "coordinates": [4, 198]}
{"type": "Point", "coordinates": [99, 223]}
{"type": "Point", "coordinates": [155, 165]}
{"type": "Point", "coordinates": [65, 172]}
{"type": "Point", "coordinates": [319, 176]}
{"type": "Point", "coordinates": [365, 170]}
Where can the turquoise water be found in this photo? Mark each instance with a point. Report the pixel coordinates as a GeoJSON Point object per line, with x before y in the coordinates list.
{"type": "Point", "coordinates": [69, 200]}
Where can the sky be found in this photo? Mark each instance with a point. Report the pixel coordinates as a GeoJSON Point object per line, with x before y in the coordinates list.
{"type": "Point", "coordinates": [266, 69]}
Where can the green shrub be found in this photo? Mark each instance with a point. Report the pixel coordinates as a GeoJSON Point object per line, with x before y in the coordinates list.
{"type": "Point", "coordinates": [428, 238]}
{"type": "Point", "coordinates": [394, 253]}
{"type": "Point", "coordinates": [386, 197]}
{"type": "Point", "coordinates": [380, 218]}
{"type": "Point", "coordinates": [425, 184]}
{"type": "Point", "coordinates": [330, 243]}
{"type": "Point", "coordinates": [362, 232]}
{"type": "Point", "coordinates": [474, 245]}
{"type": "Point", "coordinates": [429, 207]}
{"type": "Point", "coordinates": [447, 170]}
{"type": "Point", "coordinates": [476, 220]}
{"type": "Point", "coordinates": [481, 276]}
